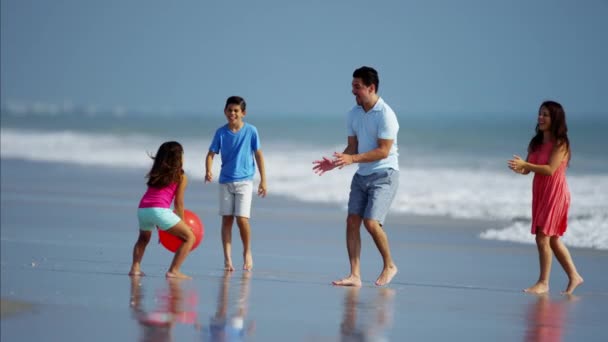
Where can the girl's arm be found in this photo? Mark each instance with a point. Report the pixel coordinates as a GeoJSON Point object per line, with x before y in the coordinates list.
{"type": "Point", "coordinates": [209, 166]}
{"type": "Point", "coordinates": [178, 202]}
{"type": "Point", "coordinates": [557, 157]}
{"type": "Point", "coordinates": [520, 170]}
{"type": "Point", "coordinates": [259, 159]}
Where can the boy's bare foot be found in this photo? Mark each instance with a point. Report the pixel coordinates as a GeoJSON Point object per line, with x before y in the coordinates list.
{"type": "Point", "coordinates": [351, 280]}
{"type": "Point", "coordinates": [537, 288]}
{"type": "Point", "coordinates": [178, 275]}
{"type": "Point", "coordinates": [572, 284]}
{"type": "Point", "coordinates": [228, 267]}
{"type": "Point", "coordinates": [386, 276]}
{"type": "Point", "coordinates": [247, 262]}
{"type": "Point", "coordinates": [136, 271]}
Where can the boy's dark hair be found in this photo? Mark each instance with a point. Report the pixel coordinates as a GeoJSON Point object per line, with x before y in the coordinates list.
{"type": "Point", "coordinates": [237, 100]}
{"type": "Point", "coordinates": [368, 75]}
{"type": "Point", "coordinates": [167, 167]}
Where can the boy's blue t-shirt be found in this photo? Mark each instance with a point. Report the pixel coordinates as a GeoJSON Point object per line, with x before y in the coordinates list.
{"type": "Point", "coordinates": [237, 152]}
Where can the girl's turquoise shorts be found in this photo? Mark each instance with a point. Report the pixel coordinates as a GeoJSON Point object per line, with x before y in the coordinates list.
{"type": "Point", "coordinates": [150, 218]}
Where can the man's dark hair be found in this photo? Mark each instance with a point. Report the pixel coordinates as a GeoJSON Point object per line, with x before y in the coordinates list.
{"type": "Point", "coordinates": [368, 75]}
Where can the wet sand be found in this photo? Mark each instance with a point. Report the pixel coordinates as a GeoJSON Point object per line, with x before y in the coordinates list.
{"type": "Point", "coordinates": [67, 234]}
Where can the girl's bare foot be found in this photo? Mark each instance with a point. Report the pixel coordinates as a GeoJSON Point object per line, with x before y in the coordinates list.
{"type": "Point", "coordinates": [538, 288]}
{"type": "Point", "coordinates": [386, 276]}
{"type": "Point", "coordinates": [351, 280]}
{"type": "Point", "coordinates": [178, 275]}
{"type": "Point", "coordinates": [572, 284]}
{"type": "Point", "coordinates": [247, 262]}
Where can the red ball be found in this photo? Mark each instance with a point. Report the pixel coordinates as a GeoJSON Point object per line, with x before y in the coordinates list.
{"type": "Point", "coordinates": [172, 242]}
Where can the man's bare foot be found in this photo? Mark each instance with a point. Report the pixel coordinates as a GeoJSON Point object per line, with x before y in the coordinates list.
{"type": "Point", "coordinates": [351, 280]}
{"type": "Point", "coordinates": [538, 288]}
{"type": "Point", "coordinates": [228, 267]}
{"type": "Point", "coordinates": [572, 284]}
{"type": "Point", "coordinates": [247, 262]}
{"type": "Point", "coordinates": [178, 275]}
{"type": "Point", "coordinates": [386, 292]}
{"type": "Point", "coordinates": [386, 276]}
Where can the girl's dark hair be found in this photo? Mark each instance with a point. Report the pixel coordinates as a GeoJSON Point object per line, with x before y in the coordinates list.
{"type": "Point", "coordinates": [368, 75]}
{"type": "Point", "coordinates": [559, 128]}
{"type": "Point", "coordinates": [167, 167]}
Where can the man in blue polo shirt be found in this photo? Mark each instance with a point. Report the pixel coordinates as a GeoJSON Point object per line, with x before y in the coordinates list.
{"type": "Point", "coordinates": [372, 143]}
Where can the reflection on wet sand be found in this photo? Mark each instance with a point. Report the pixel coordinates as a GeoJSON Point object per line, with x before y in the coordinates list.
{"type": "Point", "coordinates": [367, 321]}
{"type": "Point", "coordinates": [226, 325]}
{"type": "Point", "coordinates": [12, 307]}
{"type": "Point", "coordinates": [547, 317]}
{"type": "Point", "coordinates": [172, 307]}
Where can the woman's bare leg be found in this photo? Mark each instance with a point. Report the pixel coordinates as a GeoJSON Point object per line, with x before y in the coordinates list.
{"type": "Point", "coordinates": [563, 256]}
{"type": "Point", "coordinates": [545, 257]}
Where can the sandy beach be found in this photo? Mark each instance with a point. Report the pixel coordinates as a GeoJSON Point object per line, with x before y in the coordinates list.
{"type": "Point", "coordinates": [67, 232]}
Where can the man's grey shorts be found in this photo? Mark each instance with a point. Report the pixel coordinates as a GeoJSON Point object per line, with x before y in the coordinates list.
{"type": "Point", "coordinates": [371, 196]}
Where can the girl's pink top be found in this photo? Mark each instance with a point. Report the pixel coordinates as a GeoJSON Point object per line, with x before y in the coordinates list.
{"type": "Point", "coordinates": [550, 195]}
{"type": "Point", "coordinates": [158, 198]}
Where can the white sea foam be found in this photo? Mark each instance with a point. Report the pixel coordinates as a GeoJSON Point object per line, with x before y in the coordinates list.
{"type": "Point", "coordinates": [72, 147]}
{"type": "Point", "coordinates": [427, 188]}
{"type": "Point", "coordinates": [590, 232]}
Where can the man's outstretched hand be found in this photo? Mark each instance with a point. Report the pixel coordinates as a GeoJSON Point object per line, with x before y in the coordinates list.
{"type": "Point", "coordinates": [323, 165]}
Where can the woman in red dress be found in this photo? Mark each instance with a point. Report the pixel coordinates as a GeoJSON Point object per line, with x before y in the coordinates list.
{"type": "Point", "coordinates": [548, 157]}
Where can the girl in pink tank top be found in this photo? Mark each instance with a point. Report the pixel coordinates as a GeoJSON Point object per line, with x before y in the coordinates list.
{"type": "Point", "coordinates": [166, 184]}
{"type": "Point", "coordinates": [548, 157]}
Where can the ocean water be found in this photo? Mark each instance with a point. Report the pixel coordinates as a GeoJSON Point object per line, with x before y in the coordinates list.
{"type": "Point", "coordinates": [451, 165]}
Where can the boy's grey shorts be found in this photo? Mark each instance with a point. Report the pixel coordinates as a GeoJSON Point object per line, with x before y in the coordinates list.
{"type": "Point", "coordinates": [235, 198]}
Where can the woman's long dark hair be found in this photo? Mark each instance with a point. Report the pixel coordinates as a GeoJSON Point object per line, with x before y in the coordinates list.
{"type": "Point", "coordinates": [167, 167]}
{"type": "Point", "coordinates": [559, 128]}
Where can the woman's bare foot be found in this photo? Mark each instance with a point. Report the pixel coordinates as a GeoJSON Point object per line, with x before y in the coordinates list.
{"type": "Point", "coordinates": [178, 275]}
{"type": "Point", "coordinates": [351, 280]}
{"type": "Point", "coordinates": [247, 262]}
{"type": "Point", "coordinates": [386, 276]}
{"type": "Point", "coordinates": [572, 284]}
{"type": "Point", "coordinates": [538, 288]}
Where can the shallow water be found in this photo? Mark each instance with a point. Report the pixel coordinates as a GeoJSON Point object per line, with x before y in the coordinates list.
{"type": "Point", "coordinates": [66, 244]}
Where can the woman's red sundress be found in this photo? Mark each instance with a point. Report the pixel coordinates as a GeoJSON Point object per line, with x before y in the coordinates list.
{"type": "Point", "coordinates": [550, 195]}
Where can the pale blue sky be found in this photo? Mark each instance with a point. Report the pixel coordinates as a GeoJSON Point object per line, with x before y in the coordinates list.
{"type": "Point", "coordinates": [289, 57]}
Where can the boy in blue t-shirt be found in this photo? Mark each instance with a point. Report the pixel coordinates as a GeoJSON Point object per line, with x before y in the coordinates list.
{"type": "Point", "coordinates": [238, 143]}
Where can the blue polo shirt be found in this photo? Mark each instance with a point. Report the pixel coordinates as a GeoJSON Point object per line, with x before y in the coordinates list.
{"type": "Point", "coordinates": [237, 152]}
{"type": "Point", "coordinates": [379, 123]}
